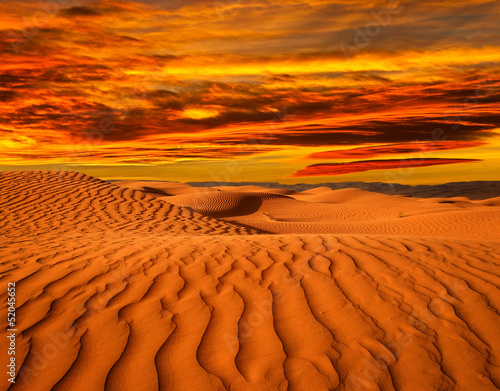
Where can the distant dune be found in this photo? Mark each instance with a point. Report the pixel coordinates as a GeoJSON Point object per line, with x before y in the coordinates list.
{"type": "Point", "coordinates": [140, 285]}
{"type": "Point", "coordinates": [474, 190]}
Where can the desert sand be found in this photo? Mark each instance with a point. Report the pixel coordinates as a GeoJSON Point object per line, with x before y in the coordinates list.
{"type": "Point", "coordinates": [163, 286]}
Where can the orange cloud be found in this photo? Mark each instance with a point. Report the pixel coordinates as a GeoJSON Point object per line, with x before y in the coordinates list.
{"type": "Point", "coordinates": [368, 165]}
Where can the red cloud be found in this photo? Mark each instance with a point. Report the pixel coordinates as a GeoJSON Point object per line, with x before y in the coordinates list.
{"type": "Point", "coordinates": [366, 152]}
{"type": "Point", "coordinates": [368, 165]}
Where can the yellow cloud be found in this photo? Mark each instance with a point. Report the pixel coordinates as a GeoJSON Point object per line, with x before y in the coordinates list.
{"type": "Point", "coordinates": [199, 113]}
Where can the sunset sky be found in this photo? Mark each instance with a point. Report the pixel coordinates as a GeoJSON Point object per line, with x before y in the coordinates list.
{"type": "Point", "coordinates": [273, 90]}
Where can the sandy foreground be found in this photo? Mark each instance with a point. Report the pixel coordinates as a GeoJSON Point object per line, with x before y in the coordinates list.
{"type": "Point", "coordinates": [162, 286]}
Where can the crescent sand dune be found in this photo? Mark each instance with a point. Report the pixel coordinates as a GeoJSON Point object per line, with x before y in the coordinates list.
{"type": "Point", "coordinates": [158, 286]}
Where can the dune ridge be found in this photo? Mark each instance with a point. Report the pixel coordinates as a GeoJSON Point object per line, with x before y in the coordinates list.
{"type": "Point", "coordinates": [39, 202]}
{"type": "Point", "coordinates": [120, 290]}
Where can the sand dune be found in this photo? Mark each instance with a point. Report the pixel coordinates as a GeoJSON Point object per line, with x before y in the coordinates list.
{"type": "Point", "coordinates": [347, 211]}
{"type": "Point", "coordinates": [474, 190]}
{"type": "Point", "coordinates": [122, 290]}
{"type": "Point", "coordinates": [38, 202]}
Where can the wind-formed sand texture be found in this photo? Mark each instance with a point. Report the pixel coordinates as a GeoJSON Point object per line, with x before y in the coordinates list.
{"type": "Point", "coordinates": [135, 286]}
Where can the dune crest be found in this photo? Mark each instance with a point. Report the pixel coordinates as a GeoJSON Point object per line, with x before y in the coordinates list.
{"type": "Point", "coordinates": [121, 290]}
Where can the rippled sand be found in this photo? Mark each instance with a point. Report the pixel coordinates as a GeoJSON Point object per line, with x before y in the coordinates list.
{"type": "Point", "coordinates": [135, 286]}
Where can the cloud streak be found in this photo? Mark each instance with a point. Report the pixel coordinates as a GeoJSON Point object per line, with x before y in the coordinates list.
{"type": "Point", "coordinates": [390, 149]}
{"type": "Point", "coordinates": [331, 169]}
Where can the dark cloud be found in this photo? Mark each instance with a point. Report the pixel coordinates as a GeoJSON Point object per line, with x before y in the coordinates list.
{"type": "Point", "coordinates": [7, 95]}
{"type": "Point", "coordinates": [128, 38]}
{"type": "Point", "coordinates": [390, 149]}
{"type": "Point", "coordinates": [364, 76]}
{"type": "Point", "coordinates": [79, 11]}
{"type": "Point", "coordinates": [381, 132]}
{"type": "Point", "coordinates": [76, 73]}
{"type": "Point", "coordinates": [167, 56]}
{"type": "Point", "coordinates": [177, 4]}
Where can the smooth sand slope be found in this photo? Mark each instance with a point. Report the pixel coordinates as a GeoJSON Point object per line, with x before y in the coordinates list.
{"type": "Point", "coordinates": [177, 289]}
